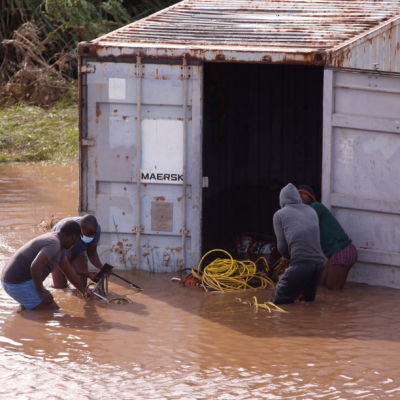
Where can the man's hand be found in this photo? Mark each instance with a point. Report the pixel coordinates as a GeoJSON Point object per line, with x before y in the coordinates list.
{"type": "Point", "coordinates": [87, 293]}
{"type": "Point", "coordinates": [284, 262]}
{"type": "Point", "coordinates": [93, 276]}
{"type": "Point", "coordinates": [46, 296]}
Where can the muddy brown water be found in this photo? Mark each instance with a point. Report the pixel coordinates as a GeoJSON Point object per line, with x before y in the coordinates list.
{"type": "Point", "coordinates": [181, 343]}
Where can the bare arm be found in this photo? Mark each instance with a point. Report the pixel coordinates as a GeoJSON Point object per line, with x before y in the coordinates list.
{"type": "Point", "coordinates": [73, 277]}
{"type": "Point", "coordinates": [93, 256]}
{"type": "Point", "coordinates": [37, 271]}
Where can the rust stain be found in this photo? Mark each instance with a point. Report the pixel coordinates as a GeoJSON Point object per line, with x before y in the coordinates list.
{"type": "Point", "coordinates": [159, 198]}
{"type": "Point", "coordinates": [98, 110]}
{"type": "Point", "coordinates": [124, 117]}
{"type": "Point", "coordinates": [267, 59]}
{"type": "Point", "coordinates": [341, 59]}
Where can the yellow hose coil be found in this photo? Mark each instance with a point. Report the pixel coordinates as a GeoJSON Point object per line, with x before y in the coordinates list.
{"type": "Point", "coordinates": [230, 275]}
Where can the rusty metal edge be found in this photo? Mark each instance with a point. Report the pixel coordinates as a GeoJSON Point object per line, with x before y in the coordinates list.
{"type": "Point", "coordinates": [338, 51]}
{"type": "Point", "coordinates": [98, 51]}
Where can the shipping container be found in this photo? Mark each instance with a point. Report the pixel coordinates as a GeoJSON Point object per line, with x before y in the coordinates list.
{"type": "Point", "coordinates": [192, 120]}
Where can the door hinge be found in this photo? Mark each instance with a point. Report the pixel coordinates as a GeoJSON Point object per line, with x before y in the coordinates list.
{"type": "Point", "coordinates": [87, 142]}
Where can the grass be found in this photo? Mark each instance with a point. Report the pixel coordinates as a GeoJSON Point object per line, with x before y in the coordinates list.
{"type": "Point", "coordinates": [31, 133]}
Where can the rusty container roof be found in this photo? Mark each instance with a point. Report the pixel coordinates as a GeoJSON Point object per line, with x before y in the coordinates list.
{"type": "Point", "coordinates": [309, 31]}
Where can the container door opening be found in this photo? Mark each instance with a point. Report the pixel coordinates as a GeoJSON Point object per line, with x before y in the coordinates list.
{"type": "Point", "coordinates": [262, 129]}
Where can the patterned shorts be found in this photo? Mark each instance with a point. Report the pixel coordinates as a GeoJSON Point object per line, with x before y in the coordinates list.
{"type": "Point", "coordinates": [346, 256]}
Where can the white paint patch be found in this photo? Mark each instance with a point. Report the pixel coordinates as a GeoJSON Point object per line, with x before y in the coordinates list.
{"type": "Point", "coordinates": [116, 89]}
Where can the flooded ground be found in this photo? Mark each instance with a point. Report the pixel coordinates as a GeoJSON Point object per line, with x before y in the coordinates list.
{"type": "Point", "coordinates": [181, 343]}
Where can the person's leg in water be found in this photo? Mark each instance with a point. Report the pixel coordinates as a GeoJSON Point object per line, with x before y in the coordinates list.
{"type": "Point", "coordinates": [338, 267]}
{"type": "Point", "coordinates": [290, 285]}
{"type": "Point", "coordinates": [314, 277]}
{"type": "Point", "coordinates": [59, 279]}
{"type": "Point", "coordinates": [336, 276]}
{"type": "Point", "coordinates": [322, 280]}
{"type": "Point", "coordinates": [80, 264]}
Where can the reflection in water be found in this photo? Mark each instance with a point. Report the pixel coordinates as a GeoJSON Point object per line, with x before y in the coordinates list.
{"type": "Point", "coordinates": [180, 343]}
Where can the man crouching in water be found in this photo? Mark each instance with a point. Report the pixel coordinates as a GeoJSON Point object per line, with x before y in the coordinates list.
{"type": "Point", "coordinates": [297, 232]}
{"type": "Point", "coordinates": [23, 277]}
{"type": "Point", "coordinates": [84, 248]}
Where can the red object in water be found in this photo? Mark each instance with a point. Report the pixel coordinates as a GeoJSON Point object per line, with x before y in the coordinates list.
{"type": "Point", "coordinates": [190, 281]}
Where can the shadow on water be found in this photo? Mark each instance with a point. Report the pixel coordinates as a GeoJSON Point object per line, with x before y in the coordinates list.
{"type": "Point", "coordinates": [90, 320]}
{"type": "Point", "coordinates": [360, 311]}
{"type": "Point", "coordinates": [65, 334]}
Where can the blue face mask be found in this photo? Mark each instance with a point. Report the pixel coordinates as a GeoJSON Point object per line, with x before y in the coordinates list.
{"type": "Point", "coordinates": [86, 239]}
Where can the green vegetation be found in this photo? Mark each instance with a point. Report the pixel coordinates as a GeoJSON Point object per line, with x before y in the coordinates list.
{"type": "Point", "coordinates": [31, 133]}
{"type": "Point", "coordinates": [43, 34]}
{"type": "Point", "coordinates": [38, 68]}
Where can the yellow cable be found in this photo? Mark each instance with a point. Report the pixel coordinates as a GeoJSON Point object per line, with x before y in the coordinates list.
{"type": "Point", "coordinates": [228, 275]}
{"type": "Point", "coordinates": [269, 306]}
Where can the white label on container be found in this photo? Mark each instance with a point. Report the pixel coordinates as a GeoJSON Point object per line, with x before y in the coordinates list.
{"type": "Point", "coordinates": [162, 151]}
{"type": "Point", "coordinates": [117, 89]}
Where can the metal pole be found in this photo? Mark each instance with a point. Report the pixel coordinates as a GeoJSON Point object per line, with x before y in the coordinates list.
{"type": "Point", "coordinates": [185, 76]}
{"type": "Point", "coordinates": [138, 228]}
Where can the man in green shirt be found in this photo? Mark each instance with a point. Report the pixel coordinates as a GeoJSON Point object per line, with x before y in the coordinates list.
{"type": "Point", "coordinates": [335, 243]}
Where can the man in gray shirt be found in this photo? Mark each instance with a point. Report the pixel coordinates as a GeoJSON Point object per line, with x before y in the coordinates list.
{"type": "Point", "coordinates": [296, 228]}
{"type": "Point", "coordinates": [23, 276]}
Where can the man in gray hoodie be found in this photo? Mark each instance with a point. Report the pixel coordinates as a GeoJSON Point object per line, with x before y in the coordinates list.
{"type": "Point", "coordinates": [296, 228]}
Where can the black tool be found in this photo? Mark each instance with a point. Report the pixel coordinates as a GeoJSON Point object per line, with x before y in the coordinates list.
{"type": "Point", "coordinates": [107, 270]}
{"type": "Point", "coordinates": [100, 289]}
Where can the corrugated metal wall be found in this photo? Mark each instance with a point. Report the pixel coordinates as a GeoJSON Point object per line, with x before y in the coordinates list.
{"type": "Point", "coordinates": [262, 129]}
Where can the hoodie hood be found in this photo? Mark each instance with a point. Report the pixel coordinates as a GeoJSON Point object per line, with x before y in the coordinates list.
{"type": "Point", "coordinates": [289, 195]}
